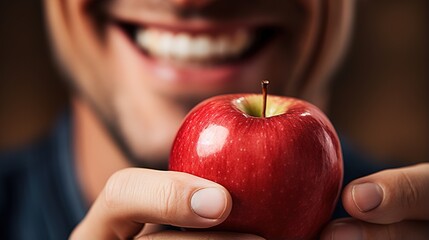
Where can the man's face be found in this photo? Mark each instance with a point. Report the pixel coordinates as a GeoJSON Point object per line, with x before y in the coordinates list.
{"type": "Point", "coordinates": [144, 63]}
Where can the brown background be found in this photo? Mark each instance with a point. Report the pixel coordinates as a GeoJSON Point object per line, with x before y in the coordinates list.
{"type": "Point", "coordinates": [380, 94]}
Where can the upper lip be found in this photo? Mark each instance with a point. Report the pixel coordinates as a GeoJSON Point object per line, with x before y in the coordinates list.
{"type": "Point", "coordinates": [173, 22]}
{"type": "Point", "coordinates": [195, 26]}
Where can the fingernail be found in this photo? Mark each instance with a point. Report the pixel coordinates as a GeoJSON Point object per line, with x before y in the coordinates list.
{"type": "Point", "coordinates": [209, 203]}
{"type": "Point", "coordinates": [346, 231]}
{"type": "Point", "coordinates": [367, 196]}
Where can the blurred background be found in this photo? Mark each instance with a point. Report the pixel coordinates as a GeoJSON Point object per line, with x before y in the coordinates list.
{"type": "Point", "coordinates": [380, 93]}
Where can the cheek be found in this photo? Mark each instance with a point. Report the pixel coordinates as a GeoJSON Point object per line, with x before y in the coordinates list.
{"type": "Point", "coordinates": [130, 92]}
{"type": "Point", "coordinates": [79, 51]}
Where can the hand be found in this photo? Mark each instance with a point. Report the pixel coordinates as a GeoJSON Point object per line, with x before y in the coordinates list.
{"type": "Point", "coordinates": [133, 197]}
{"type": "Point", "coordinates": [391, 205]}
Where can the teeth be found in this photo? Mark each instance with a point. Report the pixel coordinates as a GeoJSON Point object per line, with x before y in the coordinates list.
{"type": "Point", "coordinates": [182, 46]}
{"type": "Point", "coordinates": [202, 48]}
{"type": "Point", "coordinates": [222, 47]}
{"type": "Point", "coordinates": [186, 47]}
{"type": "Point", "coordinates": [165, 44]}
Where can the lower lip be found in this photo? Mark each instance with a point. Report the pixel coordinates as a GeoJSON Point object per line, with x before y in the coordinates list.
{"type": "Point", "coordinates": [175, 74]}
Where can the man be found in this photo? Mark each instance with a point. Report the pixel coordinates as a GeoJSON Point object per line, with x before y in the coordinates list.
{"type": "Point", "coordinates": [136, 68]}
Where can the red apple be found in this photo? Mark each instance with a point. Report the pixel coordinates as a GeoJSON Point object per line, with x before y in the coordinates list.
{"type": "Point", "coordinates": [284, 171]}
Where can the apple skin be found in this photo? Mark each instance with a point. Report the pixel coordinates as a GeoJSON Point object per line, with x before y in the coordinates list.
{"type": "Point", "coordinates": [284, 172]}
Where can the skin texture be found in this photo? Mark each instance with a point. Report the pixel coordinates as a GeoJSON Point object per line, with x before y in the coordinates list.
{"type": "Point", "coordinates": [124, 110]}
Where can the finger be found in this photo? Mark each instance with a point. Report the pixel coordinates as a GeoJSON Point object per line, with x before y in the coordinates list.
{"type": "Point", "coordinates": [390, 196]}
{"type": "Point", "coordinates": [172, 235]}
{"type": "Point", "coordinates": [352, 229]}
{"type": "Point", "coordinates": [132, 197]}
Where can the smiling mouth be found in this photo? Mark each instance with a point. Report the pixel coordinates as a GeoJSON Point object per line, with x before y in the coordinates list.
{"type": "Point", "coordinates": [202, 47]}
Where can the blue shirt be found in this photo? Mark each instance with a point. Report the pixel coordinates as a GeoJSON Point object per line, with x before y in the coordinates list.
{"type": "Point", "coordinates": [40, 197]}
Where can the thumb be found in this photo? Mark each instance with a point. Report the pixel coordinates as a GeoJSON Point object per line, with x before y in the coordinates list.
{"type": "Point", "coordinates": [390, 196]}
{"type": "Point", "coordinates": [133, 197]}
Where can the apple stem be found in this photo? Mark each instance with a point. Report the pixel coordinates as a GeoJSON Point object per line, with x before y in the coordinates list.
{"type": "Point", "coordinates": [264, 84]}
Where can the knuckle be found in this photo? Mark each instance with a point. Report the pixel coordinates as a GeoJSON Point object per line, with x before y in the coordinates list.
{"type": "Point", "coordinates": [168, 198]}
{"type": "Point", "coordinates": [408, 195]}
{"type": "Point", "coordinates": [115, 188]}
